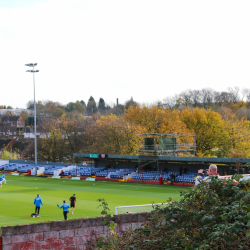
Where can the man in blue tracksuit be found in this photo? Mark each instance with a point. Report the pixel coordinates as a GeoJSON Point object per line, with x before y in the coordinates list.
{"type": "Point", "coordinates": [3, 178]}
{"type": "Point", "coordinates": [66, 209]}
{"type": "Point", "coordinates": [38, 202]}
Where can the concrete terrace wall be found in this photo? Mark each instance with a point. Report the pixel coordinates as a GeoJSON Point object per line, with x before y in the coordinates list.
{"type": "Point", "coordinates": [64, 235]}
{"type": "Point", "coordinates": [169, 166]}
{"type": "Point", "coordinates": [39, 162]}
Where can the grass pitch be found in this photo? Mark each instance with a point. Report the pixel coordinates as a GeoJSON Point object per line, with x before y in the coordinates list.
{"type": "Point", "coordinates": [17, 197]}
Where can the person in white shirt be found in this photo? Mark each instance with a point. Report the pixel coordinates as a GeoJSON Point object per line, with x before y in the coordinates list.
{"type": "Point", "coordinates": [212, 171]}
{"type": "Point", "coordinates": [198, 179]}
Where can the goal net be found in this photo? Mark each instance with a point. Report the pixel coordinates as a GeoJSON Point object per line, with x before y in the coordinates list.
{"type": "Point", "coordinates": [138, 208]}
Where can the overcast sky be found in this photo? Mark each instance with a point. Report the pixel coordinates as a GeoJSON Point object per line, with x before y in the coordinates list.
{"type": "Point", "coordinates": [118, 49]}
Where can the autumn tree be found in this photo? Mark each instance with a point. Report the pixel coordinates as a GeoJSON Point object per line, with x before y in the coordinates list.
{"type": "Point", "coordinates": [79, 107]}
{"type": "Point", "coordinates": [234, 98]}
{"type": "Point", "coordinates": [30, 105]}
{"type": "Point", "coordinates": [70, 107]}
{"type": "Point", "coordinates": [91, 106]}
{"type": "Point", "coordinates": [46, 108]}
{"type": "Point", "coordinates": [6, 154]}
{"type": "Point", "coordinates": [185, 98]}
{"type": "Point", "coordinates": [169, 102]}
{"type": "Point", "coordinates": [83, 103]}
{"type": "Point", "coordinates": [207, 97]}
{"type": "Point", "coordinates": [75, 106]}
{"type": "Point", "coordinates": [58, 112]}
{"type": "Point", "coordinates": [130, 102]}
{"type": "Point", "coordinates": [237, 143]}
{"type": "Point", "coordinates": [24, 115]}
{"type": "Point", "coordinates": [51, 146]}
{"type": "Point", "coordinates": [74, 131]}
{"type": "Point", "coordinates": [208, 127]}
{"type": "Point", "coordinates": [101, 105]}
{"type": "Point", "coordinates": [63, 116]}
{"type": "Point", "coordinates": [234, 94]}
{"type": "Point", "coordinates": [113, 135]}
{"type": "Point", "coordinates": [157, 120]}
{"type": "Point", "coordinates": [243, 112]}
{"type": "Point", "coordinates": [195, 97]}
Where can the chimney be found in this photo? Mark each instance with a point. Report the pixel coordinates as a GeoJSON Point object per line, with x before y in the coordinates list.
{"type": "Point", "coordinates": [117, 102]}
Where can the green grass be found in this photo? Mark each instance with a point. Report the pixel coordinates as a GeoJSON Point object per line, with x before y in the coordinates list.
{"type": "Point", "coordinates": [17, 197]}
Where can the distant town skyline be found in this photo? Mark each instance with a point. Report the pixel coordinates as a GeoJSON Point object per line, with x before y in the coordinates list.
{"type": "Point", "coordinates": [117, 49]}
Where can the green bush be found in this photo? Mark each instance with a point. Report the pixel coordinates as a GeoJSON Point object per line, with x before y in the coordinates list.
{"type": "Point", "coordinates": [9, 155]}
{"type": "Point", "coordinates": [214, 215]}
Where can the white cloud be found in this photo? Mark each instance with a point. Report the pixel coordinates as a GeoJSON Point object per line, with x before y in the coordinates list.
{"type": "Point", "coordinates": [118, 49]}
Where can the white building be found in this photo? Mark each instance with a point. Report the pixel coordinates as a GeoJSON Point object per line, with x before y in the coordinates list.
{"type": "Point", "coordinates": [32, 135]}
{"type": "Point", "coordinates": [15, 111]}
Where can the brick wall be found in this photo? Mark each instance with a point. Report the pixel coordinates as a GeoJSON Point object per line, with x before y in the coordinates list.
{"type": "Point", "coordinates": [64, 235]}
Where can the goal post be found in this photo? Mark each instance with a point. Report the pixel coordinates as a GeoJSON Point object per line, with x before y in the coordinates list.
{"type": "Point", "coordinates": [137, 208]}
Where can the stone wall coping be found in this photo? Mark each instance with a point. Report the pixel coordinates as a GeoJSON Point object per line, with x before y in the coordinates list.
{"type": "Point", "coordinates": [71, 224]}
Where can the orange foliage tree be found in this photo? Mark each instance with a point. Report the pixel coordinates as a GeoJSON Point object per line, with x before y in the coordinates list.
{"type": "Point", "coordinates": [74, 130]}
{"type": "Point", "coordinates": [113, 135]}
{"type": "Point", "coordinates": [51, 146]}
{"type": "Point", "coordinates": [237, 143]}
{"type": "Point", "coordinates": [157, 120]}
{"type": "Point", "coordinates": [217, 135]}
{"type": "Point", "coordinates": [209, 129]}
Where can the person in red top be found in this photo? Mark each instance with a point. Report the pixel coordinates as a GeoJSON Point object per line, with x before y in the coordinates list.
{"type": "Point", "coordinates": [72, 202]}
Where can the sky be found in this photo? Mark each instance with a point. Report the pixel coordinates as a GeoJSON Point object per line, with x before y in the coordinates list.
{"type": "Point", "coordinates": [145, 49]}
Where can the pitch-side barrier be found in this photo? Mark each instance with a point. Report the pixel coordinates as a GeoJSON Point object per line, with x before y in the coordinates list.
{"type": "Point", "coordinates": [137, 208]}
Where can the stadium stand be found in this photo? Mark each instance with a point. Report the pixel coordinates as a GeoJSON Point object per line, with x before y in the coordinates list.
{"type": "Point", "coordinates": [104, 173]}
{"type": "Point", "coordinates": [119, 174]}
{"type": "Point", "coordinates": [17, 167]}
{"type": "Point", "coordinates": [49, 169]}
{"type": "Point", "coordinates": [87, 170]}
{"type": "Point", "coordinates": [154, 176]}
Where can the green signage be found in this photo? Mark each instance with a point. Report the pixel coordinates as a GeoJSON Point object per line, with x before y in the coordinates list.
{"type": "Point", "coordinates": [90, 179]}
{"type": "Point", "coordinates": [15, 173]}
{"type": "Point", "coordinates": [57, 176]}
{"type": "Point", "coordinates": [76, 178]}
{"type": "Point", "coordinates": [94, 156]}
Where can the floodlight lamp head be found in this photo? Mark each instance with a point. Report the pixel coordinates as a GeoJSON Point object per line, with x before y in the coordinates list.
{"type": "Point", "coordinates": [32, 71]}
{"type": "Point", "coordinates": [31, 64]}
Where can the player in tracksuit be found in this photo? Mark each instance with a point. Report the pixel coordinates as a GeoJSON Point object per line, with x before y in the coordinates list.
{"type": "Point", "coordinates": [1, 181]}
{"type": "Point", "coordinates": [72, 202]}
{"type": "Point", "coordinates": [3, 178]}
{"type": "Point", "coordinates": [37, 203]}
{"type": "Point", "coordinates": [66, 209]}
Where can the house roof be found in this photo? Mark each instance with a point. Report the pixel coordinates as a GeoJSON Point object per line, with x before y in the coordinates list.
{"type": "Point", "coordinates": [20, 146]}
{"type": "Point", "coordinates": [4, 142]}
{"type": "Point", "coordinates": [10, 118]}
